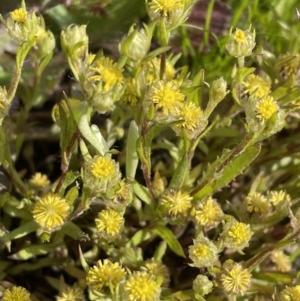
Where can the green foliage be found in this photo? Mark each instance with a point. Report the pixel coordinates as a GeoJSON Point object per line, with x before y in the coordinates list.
{"type": "Point", "coordinates": [178, 176]}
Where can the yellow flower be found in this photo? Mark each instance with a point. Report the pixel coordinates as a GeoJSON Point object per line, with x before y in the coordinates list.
{"type": "Point", "coordinates": [236, 235]}
{"type": "Point", "coordinates": [207, 213]}
{"type": "Point", "coordinates": [108, 72]}
{"type": "Point", "coordinates": [141, 286]}
{"type": "Point", "coordinates": [103, 167]}
{"type": "Point", "coordinates": [19, 15]}
{"type": "Point", "coordinates": [152, 70]}
{"type": "Point", "coordinates": [175, 203]}
{"type": "Point", "coordinates": [17, 293]}
{"type": "Point", "coordinates": [235, 280]}
{"type": "Point", "coordinates": [257, 203]}
{"type": "Point", "coordinates": [239, 36]}
{"type": "Point", "coordinates": [50, 212]}
{"type": "Point", "coordinates": [266, 108]}
{"type": "Point", "coordinates": [39, 180]}
{"type": "Point", "coordinates": [167, 97]}
{"type": "Point", "coordinates": [109, 223]}
{"type": "Point", "coordinates": [71, 294]}
{"type": "Point", "coordinates": [190, 113]}
{"type": "Point", "coordinates": [130, 95]}
{"type": "Point", "coordinates": [165, 7]}
{"type": "Point", "coordinates": [203, 252]}
{"type": "Point", "coordinates": [276, 197]}
{"type": "Point", "coordinates": [159, 271]}
{"type": "Point", "coordinates": [257, 86]}
{"type": "Point", "coordinates": [282, 261]}
{"type": "Point", "coordinates": [290, 293]}
{"type": "Point", "coordinates": [105, 275]}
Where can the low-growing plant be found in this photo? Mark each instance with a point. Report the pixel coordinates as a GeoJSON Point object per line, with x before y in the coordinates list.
{"type": "Point", "coordinates": [170, 187]}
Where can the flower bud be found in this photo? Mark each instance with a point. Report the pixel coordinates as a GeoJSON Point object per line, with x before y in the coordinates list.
{"type": "Point", "coordinates": [241, 43]}
{"type": "Point", "coordinates": [74, 41]}
{"type": "Point", "coordinates": [202, 285]}
{"type": "Point", "coordinates": [137, 44]}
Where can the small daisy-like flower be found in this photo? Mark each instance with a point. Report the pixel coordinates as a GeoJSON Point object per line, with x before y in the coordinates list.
{"type": "Point", "coordinates": [108, 72]}
{"type": "Point", "coordinates": [236, 235]}
{"type": "Point", "coordinates": [159, 271]}
{"type": "Point", "coordinates": [241, 42]}
{"type": "Point", "coordinates": [103, 167]}
{"type": "Point", "coordinates": [17, 293]}
{"type": "Point", "coordinates": [105, 275]}
{"type": "Point", "coordinates": [202, 285]}
{"type": "Point", "coordinates": [130, 95]}
{"type": "Point", "coordinates": [281, 260]}
{"type": "Point", "coordinates": [290, 293]}
{"type": "Point", "coordinates": [19, 15]}
{"type": "Point", "coordinates": [152, 70]}
{"type": "Point", "coordinates": [167, 97]}
{"type": "Point", "coordinates": [256, 202]}
{"type": "Point", "coordinates": [276, 197]}
{"type": "Point", "coordinates": [175, 204]}
{"type": "Point", "coordinates": [71, 294]}
{"type": "Point", "coordinates": [165, 7]}
{"type": "Point", "coordinates": [257, 86]}
{"type": "Point", "coordinates": [266, 108]}
{"type": "Point", "coordinates": [203, 252]}
{"type": "Point", "coordinates": [50, 212]}
{"type": "Point", "coordinates": [235, 280]}
{"type": "Point", "coordinates": [122, 197]}
{"type": "Point", "coordinates": [141, 286]}
{"type": "Point", "coordinates": [191, 115]}
{"type": "Point", "coordinates": [39, 180]}
{"type": "Point", "coordinates": [109, 224]}
{"type": "Point", "coordinates": [207, 213]}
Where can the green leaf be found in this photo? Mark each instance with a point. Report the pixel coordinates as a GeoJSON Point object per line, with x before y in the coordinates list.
{"type": "Point", "coordinates": [131, 151]}
{"type": "Point", "coordinates": [138, 237]}
{"type": "Point", "coordinates": [74, 231]}
{"type": "Point", "coordinates": [83, 261]}
{"type": "Point", "coordinates": [155, 53]}
{"type": "Point", "coordinates": [168, 236]}
{"type": "Point", "coordinates": [229, 172]}
{"type": "Point", "coordinates": [142, 192]}
{"type": "Point", "coordinates": [32, 251]}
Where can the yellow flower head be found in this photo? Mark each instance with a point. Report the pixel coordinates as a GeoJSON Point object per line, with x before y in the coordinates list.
{"type": "Point", "coordinates": [39, 180]}
{"type": "Point", "coordinates": [105, 275]}
{"type": "Point", "coordinates": [257, 86]}
{"type": "Point", "coordinates": [159, 271]}
{"type": "Point", "coordinates": [203, 252]}
{"type": "Point", "coordinates": [141, 286]}
{"type": "Point", "coordinates": [276, 197]}
{"type": "Point", "coordinates": [236, 235]}
{"type": "Point", "coordinates": [290, 293]}
{"type": "Point", "coordinates": [165, 7]}
{"type": "Point", "coordinates": [266, 108]}
{"type": "Point", "coordinates": [167, 97]}
{"type": "Point", "coordinates": [239, 36]}
{"type": "Point", "coordinates": [175, 204]}
{"type": "Point", "coordinates": [107, 71]}
{"type": "Point", "coordinates": [235, 280]}
{"type": "Point", "coordinates": [256, 202]}
{"type": "Point", "coordinates": [71, 294]}
{"type": "Point", "coordinates": [152, 70]}
{"type": "Point", "coordinates": [190, 114]}
{"type": "Point", "coordinates": [17, 293]}
{"type": "Point", "coordinates": [282, 261]}
{"type": "Point", "coordinates": [207, 213]}
{"type": "Point", "coordinates": [130, 95]}
{"type": "Point", "coordinates": [109, 223]}
{"type": "Point", "coordinates": [103, 167]}
{"type": "Point", "coordinates": [50, 212]}
{"type": "Point", "coordinates": [19, 15]}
